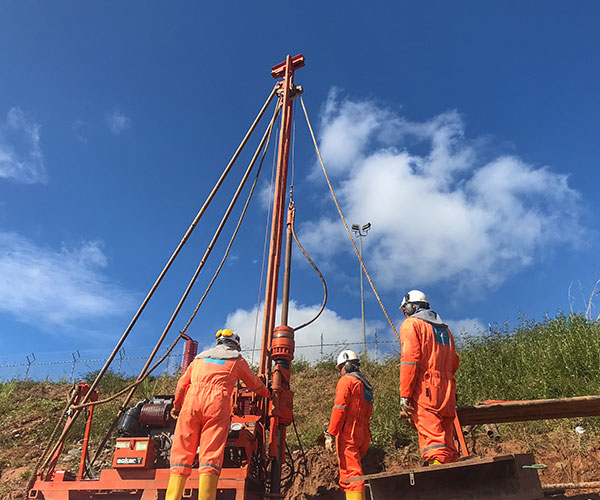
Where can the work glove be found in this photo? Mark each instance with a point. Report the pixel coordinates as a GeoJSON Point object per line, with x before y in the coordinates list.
{"type": "Point", "coordinates": [406, 405]}
{"type": "Point", "coordinates": [329, 442]}
{"type": "Point", "coordinates": [174, 413]}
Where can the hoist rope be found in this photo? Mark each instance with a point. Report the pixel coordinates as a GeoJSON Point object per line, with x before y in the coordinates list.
{"type": "Point", "coordinates": [213, 241]}
{"type": "Point", "coordinates": [32, 477]}
{"type": "Point", "coordinates": [344, 221]}
{"type": "Point", "coordinates": [131, 386]}
{"type": "Point", "coordinates": [188, 289]}
{"type": "Point", "coordinates": [166, 268]}
{"type": "Point", "coordinates": [240, 220]}
{"type": "Point", "coordinates": [265, 246]}
{"type": "Point", "coordinates": [293, 143]}
{"type": "Point", "coordinates": [315, 268]}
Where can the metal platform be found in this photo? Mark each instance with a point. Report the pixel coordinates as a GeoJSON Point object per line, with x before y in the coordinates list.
{"type": "Point", "coordinates": [495, 478]}
{"type": "Point", "coordinates": [146, 484]}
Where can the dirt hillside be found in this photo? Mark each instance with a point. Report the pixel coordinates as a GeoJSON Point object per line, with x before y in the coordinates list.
{"type": "Point", "coordinates": [28, 413]}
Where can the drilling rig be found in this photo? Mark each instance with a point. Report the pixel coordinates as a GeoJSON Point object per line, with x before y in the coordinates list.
{"type": "Point", "coordinates": [256, 445]}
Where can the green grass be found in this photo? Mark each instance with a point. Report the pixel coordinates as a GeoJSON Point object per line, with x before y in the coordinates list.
{"type": "Point", "coordinates": [556, 357]}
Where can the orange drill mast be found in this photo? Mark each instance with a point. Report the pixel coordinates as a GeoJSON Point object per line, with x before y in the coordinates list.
{"type": "Point", "coordinates": [277, 350]}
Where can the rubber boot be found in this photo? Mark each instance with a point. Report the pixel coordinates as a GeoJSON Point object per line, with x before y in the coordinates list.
{"type": "Point", "coordinates": [435, 461]}
{"type": "Point", "coordinates": [175, 487]}
{"type": "Point", "coordinates": [207, 486]}
{"type": "Point", "coordinates": [355, 495]}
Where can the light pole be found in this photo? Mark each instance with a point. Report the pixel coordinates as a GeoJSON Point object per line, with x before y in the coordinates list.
{"type": "Point", "coordinates": [360, 232]}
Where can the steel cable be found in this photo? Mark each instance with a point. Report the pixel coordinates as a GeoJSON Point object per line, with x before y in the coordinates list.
{"type": "Point", "coordinates": [134, 384]}
{"type": "Point", "coordinates": [188, 289]}
{"type": "Point", "coordinates": [168, 265]}
{"type": "Point", "coordinates": [72, 397]}
{"type": "Point", "coordinates": [344, 221]}
{"type": "Point", "coordinates": [240, 220]}
{"type": "Point", "coordinates": [266, 240]}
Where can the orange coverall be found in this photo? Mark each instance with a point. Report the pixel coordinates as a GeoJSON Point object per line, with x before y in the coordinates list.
{"type": "Point", "coordinates": [352, 409]}
{"type": "Point", "coordinates": [427, 368]}
{"type": "Point", "coordinates": [204, 395]}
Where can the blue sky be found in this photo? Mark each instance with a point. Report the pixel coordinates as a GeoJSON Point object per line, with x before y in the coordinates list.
{"type": "Point", "coordinates": [465, 132]}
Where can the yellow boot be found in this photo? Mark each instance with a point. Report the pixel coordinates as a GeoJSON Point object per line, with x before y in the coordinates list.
{"type": "Point", "coordinates": [435, 461]}
{"type": "Point", "coordinates": [175, 487]}
{"type": "Point", "coordinates": [355, 495]}
{"type": "Point", "coordinates": [207, 487]}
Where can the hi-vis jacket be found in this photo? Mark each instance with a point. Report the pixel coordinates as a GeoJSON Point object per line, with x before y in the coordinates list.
{"type": "Point", "coordinates": [352, 409]}
{"type": "Point", "coordinates": [204, 395]}
{"type": "Point", "coordinates": [428, 363]}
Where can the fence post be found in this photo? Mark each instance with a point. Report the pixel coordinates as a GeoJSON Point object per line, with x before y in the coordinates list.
{"type": "Point", "coordinates": [75, 355]}
{"type": "Point", "coordinates": [30, 360]}
{"type": "Point", "coordinates": [321, 346]}
{"type": "Point", "coordinates": [376, 347]}
{"type": "Point", "coordinates": [121, 356]}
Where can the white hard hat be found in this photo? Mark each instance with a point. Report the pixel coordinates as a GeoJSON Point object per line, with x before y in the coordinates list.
{"type": "Point", "coordinates": [414, 296]}
{"type": "Point", "coordinates": [344, 356]}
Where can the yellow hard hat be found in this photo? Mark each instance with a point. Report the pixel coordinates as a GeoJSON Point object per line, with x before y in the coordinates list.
{"type": "Point", "coordinates": [225, 332]}
{"type": "Point", "coordinates": [228, 336]}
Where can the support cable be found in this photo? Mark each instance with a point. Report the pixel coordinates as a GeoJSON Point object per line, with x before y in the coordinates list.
{"type": "Point", "coordinates": [194, 277]}
{"type": "Point", "coordinates": [304, 460]}
{"type": "Point", "coordinates": [345, 223]}
{"type": "Point", "coordinates": [63, 414]}
{"type": "Point", "coordinates": [168, 265]}
{"type": "Point", "coordinates": [240, 220]}
{"type": "Point", "coordinates": [315, 268]}
{"type": "Point", "coordinates": [266, 240]}
{"type": "Point", "coordinates": [136, 383]}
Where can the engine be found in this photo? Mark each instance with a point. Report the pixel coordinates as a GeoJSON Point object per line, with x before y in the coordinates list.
{"type": "Point", "coordinates": [146, 432]}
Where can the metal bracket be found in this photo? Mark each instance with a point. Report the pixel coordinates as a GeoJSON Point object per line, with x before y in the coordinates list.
{"type": "Point", "coordinates": [411, 478]}
{"type": "Point", "coordinates": [368, 486]}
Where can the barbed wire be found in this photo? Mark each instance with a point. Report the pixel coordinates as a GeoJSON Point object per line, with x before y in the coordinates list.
{"type": "Point", "coordinates": [79, 360]}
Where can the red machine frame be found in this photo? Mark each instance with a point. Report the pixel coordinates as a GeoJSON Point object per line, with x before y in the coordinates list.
{"type": "Point", "coordinates": [263, 423]}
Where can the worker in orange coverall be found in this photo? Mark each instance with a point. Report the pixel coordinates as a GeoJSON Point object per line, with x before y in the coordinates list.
{"type": "Point", "coordinates": [427, 385]}
{"type": "Point", "coordinates": [350, 418]}
{"type": "Point", "coordinates": [203, 401]}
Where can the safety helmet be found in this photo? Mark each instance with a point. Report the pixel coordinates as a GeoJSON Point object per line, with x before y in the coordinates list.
{"type": "Point", "coordinates": [229, 337]}
{"type": "Point", "coordinates": [411, 298]}
{"type": "Point", "coordinates": [349, 360]}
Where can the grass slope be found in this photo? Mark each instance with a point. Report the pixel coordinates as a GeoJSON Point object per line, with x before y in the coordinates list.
{"type": "Point", "coordinates": [557, 357]}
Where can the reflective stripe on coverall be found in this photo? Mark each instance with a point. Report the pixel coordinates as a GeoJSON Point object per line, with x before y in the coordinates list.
{"type": "Point", "coordinates": [427, 368]}
{"type": "Point", "coordinates": [350, 417]}
{"type": "Point", "coordinates": [204, 395]}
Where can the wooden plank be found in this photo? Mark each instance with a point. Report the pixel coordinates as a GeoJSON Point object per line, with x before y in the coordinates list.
{"type": "Point", "coordinates": [521, 411]}
{"type": "Point", "coordinates": [455, 465]}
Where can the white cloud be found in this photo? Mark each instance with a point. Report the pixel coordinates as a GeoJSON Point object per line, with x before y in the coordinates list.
{"type": "Point", "coordinates": [463, 328]}
{"type": "Point", "coordinates": [336, 330]}
{"type": "Point", "coordinates": [56, 287]}
{"type": "Point", "coordinates": [118, 122]}
{"type": "Point", "coordinates": [338, 333]}
{"type": "Point", "coordinates": [21, 157]}
{"type": "Point", "coordinates": [440, 213]}
{"type": "Point", "coordinates": [79, 128]}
